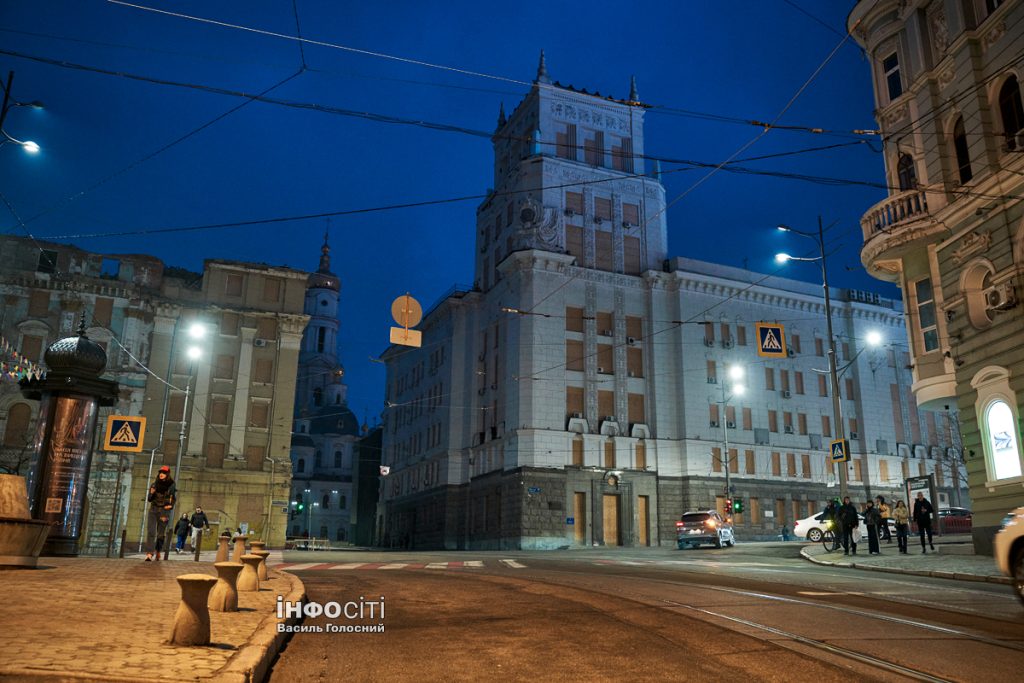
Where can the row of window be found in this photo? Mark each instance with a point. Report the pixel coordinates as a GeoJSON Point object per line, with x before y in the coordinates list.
{"type": "Point", "coordinates": [574, 405]}
{"type": "Point", "coordinates": [748, 465]}
{"type": "Point", "coordinates": [609, 455]}
{"type": "Point", "coordinates": [608, 151]}
{"type": "Point", "coordinates": [300, 463]}
{"type": "Point", "coordinates": [273, 287]}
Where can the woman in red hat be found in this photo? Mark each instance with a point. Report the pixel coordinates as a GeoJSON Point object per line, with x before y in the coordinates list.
{"type": "Point", "coordinates": [161, 503]}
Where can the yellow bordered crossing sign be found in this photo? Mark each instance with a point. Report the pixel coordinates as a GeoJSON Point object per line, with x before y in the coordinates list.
{"type": "Point", "coordinates": [124, 433]}
{"type": "Point", "coordinates": [771, 340]}
{"type": "Point", "coordinates": [840, 450]}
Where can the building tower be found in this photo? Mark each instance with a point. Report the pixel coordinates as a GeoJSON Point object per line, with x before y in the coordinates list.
{"type": "Point", "coordinates": [325, 428]}
{"type": "Point", "coordinates": [950, 233]}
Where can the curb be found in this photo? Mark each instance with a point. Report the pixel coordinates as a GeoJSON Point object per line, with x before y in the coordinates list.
{"type": "Point", "coordinates": [937, 574]}
{"type": "Point", "coordinates": [252, 661]}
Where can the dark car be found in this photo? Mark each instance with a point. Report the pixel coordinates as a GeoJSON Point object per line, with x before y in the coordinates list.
{"type": "Point", "coordinates": [705, 526]}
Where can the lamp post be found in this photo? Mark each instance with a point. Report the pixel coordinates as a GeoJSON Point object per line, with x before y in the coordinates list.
{"type": "Point", "coordinates": [837, 410]}
{"type": "Point", "coordinates": [9, 103]}
{"type": "Point", "coordinates": [309, 512]}
{"type": "Point", "coordinates": [734, 378]}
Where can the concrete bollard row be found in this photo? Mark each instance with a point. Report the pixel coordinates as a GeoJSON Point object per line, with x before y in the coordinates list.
{"type": "Point", "coordinates": [201, 593]}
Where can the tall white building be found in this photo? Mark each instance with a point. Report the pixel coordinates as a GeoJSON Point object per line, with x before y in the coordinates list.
{"type": "Point", "coordinates": [577, 394]}
{"type": "Point", "coordinates": [325, 429]}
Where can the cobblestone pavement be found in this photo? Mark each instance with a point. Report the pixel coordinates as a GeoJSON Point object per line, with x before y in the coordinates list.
{"type": "Point", "coordinates": [946, 561]}
{"type": "Point", "coordinates": [110, 619]}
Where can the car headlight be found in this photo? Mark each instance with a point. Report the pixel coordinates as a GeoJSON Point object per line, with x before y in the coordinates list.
{"type": "Point", "coordinates": [1008, 520]}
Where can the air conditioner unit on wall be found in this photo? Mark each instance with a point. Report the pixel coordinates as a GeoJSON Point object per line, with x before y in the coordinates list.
{"type": "Point", "coordinates": [727, 343]}
{"type": "Point", "coordinates": [570, 212]}
{"type": "Point", "coordinates": [786, 393]}
{"type": "Point", "coordinates": [730, 424]}
{"type": "Point", "coordinates": [788, 429]}
{"type": "Point", "coordinates": [712, 380]}
{"type": "Point", "coordinates": [259, 343]}
{"type": "Point", "coordinates": [1001, 297]}
{"type": "Point", "coordinates": [713, 423]}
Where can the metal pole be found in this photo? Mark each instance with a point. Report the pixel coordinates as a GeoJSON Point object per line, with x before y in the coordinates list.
{"type": "Point", "coordinates": [160, 437]}
{"type": "Point", "coordinates": [725, 438]}
{"type": "Point", "coordinates": [114, 507]}
{"type": "Point", "coordinates": [837, 409]}
{"type": "Point", "coordinates": [7, 97]}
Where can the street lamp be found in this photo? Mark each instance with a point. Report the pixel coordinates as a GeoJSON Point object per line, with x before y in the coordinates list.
{"type": "Point", "coordinates": [782, 258]}
{"type": "Point", "coordinates": [10, 103]}
{"type": "Point", "coordinates": [735, 375]}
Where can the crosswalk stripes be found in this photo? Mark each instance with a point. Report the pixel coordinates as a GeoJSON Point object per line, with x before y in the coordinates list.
{"type": "Point", "coordinates": [363, 566]}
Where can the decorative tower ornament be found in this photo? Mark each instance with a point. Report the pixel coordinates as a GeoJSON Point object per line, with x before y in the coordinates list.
{"type": "Point", "coordinates": [542, 71]}
{"type": "Point", "coordinates": [634, 98]}
{"type": "Point", "coordinates": [501, 116]}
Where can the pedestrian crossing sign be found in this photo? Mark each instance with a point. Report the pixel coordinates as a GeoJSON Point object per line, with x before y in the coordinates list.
{"type": "Point", "coordinates": [124, 433]}
{"type": "Point", "coordinates": [771, 340]}
{"type": "Point", "coordinates": [840, 449]}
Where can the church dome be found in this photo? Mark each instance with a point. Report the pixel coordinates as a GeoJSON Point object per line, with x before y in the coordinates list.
{"type": "Point", "coordinates": [76, 355]}
{"type": "Point", "coordinates": [334, 420]}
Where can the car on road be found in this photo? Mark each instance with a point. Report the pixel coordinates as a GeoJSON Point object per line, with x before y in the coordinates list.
{"type": "Point", "coordinates": [955, 520]}
{"type": "Point", "coordinates": [811, 528]}
{"type": "Point", "coordinates": [704, 526]}
{"type": "Point", "coordinates": [1008, 548]}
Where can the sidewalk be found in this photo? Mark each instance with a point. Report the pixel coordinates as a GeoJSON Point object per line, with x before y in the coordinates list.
{"type": "Point", "coordinates": [99, 619]}
{"type": "Point", "coordinates": [951, 559]}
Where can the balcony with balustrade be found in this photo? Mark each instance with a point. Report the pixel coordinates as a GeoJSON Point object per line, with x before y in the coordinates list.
{"type": "Point", "coordinates": [898, 224]}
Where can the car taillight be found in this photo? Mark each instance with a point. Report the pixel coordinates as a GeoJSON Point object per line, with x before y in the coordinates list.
{"type": "Point", "coordinates": [679, 524]}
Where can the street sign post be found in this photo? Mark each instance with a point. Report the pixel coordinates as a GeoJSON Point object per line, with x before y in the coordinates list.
{"type": "Point", "coordinates": [124, 433]}
{"type": "Point", "coordinates": [771, 340]}
{"type": "Point", "coordinates": [407, 312]}
{"type": "Point", "coordinates": [840, 450]}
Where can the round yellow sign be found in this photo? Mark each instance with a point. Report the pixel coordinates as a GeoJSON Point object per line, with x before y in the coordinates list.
{"type": "Point", "coordinates": [406, 311]}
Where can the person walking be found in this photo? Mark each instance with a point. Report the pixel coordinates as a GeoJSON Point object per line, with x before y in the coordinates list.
{"type": "Point", "coordinates": [923, 518]}
{"type": "Point", "coordinates": [901, 515]}
{"type": "Point", "coordinates": [872, 518]}
{"type": "Point", "coordinates": [886, 512]}
{"type": "Point", "coordinates": [199, 522]}
{"type": "Point", "coordinates": [847, 517]}
{"type": "Point", "coordinates": [162, 494]}
{"type": "Point", "coordinates": [181, 531]}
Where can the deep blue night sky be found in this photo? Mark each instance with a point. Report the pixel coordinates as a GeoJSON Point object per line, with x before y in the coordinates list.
{"type": "Point", "coordinates": [736, 59]}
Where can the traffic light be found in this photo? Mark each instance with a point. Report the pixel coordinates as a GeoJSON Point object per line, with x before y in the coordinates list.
{"type": "Point", "coordinates": [728, 506]}
{"type": "Point", "coordinates": [737, 506]}
{"type": "Point", "coordinates": [300, 507]}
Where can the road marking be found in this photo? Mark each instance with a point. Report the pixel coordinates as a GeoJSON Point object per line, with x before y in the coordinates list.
{"type": "Point", "coordinates": [300, 567]}
{"type": "Point", "coordinates": [474, 563]}
{"type": "Point", "coordinates": [816, 593]}
{"type": "Point", "coordinates": [350, 565]}
{"type": "Point", "coordinates": [513, 564]}
{"type": "Point", "coordinates": [395, 565]}
{"type": "Point", "coordinates": [437, 565]}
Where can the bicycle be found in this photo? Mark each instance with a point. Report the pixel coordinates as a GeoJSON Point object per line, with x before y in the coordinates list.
{"type": "Point", "coordinates": [830, 540]}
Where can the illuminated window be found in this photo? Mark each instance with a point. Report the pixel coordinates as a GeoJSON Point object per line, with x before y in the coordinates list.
{"type": "Point", "coordinates": [926, 314]}
{"type": "Point", "coordinates": [996, 409]}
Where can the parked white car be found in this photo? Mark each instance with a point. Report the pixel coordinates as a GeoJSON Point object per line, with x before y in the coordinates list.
{"type": "Point", "coordinates": [1008, 548]}
{"type": "Point", "coordinates": [811, 528]}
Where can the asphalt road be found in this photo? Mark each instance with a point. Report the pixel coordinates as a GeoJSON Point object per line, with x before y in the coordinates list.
{"type": "Point", "coordinates": [756, 611]}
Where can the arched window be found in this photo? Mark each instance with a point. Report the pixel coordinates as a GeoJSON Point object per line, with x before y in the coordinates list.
{"type": "Point", "coordinates": [326, 501]}
{"type": "Point", "coordinates": [318, 396]}
{"type": "Point", "coordinates": [341, 503]}
{"type": "Point", "coordinates": [300, 466]}
{"type": "Point", "coordinates": [963, 158]}
{"type": "Point", "coordinates": [337, 399]}
{"type": "Point", "coordinates": [319, 459]}
{"type": "Point", "coordinates": [996, 410]}
{"type": "Point", "coordinates": [906, 173]}
{"type": "Point", "coordinates": [18, 417]}
{"type": "Point", "coordinates": [337, 458]}
{"type": "Point", "coordinates": [1012, 112]}
{"type": "Point", "coordinates": [1001, 429]}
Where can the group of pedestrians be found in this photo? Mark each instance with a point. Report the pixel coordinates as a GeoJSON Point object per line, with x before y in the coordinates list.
{"type": "Point", "coordinates": [163, 494]}
{"type": "Point", "coordinates": [846, 520]}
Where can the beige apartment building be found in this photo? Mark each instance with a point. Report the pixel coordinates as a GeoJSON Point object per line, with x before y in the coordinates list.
{"type": "Point", "coordinates": [236, 429]}
{"type": "Point", "coordinates": [947, 77]}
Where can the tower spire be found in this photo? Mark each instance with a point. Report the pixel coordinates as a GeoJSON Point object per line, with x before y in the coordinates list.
{"type": "Point", "coordinates": [325, 251]}
{"type": "Point", "coordinates": [542, 70]}
{"type": "Point", "coordinates": [501, 115]}
{"type": "Point", "coordinates": [633, 96]}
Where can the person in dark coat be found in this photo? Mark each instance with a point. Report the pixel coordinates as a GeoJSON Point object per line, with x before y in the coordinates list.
{"type": "Point", "coordinates": [923, 518]}
{"type": "Point", "coordinates": [848, 521]}
{"type": "Point", "coordinates": [872, 520]}
{"type": "Point", "coordinates": [199, 522]}
{"type": "Point", "coordinates": [162, 494]}
{"type": "Point", "coordinates": [181, 531]}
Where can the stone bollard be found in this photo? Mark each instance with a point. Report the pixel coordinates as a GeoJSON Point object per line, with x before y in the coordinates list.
{"type": "Point", "coordinates": [224, 596]}
{"type": "Point", "coordinates": [222, 549]}
{"type": "Point", "coordinates": [236, 555]}
{"type": "Point", "coordinates": [258, 545]}
{"type": "Point", "coordinates": [261, 570]}
{"type": "Point", "coordinates": [192, 620]}
{"type": "Point", "coordinates": [249, 579]}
